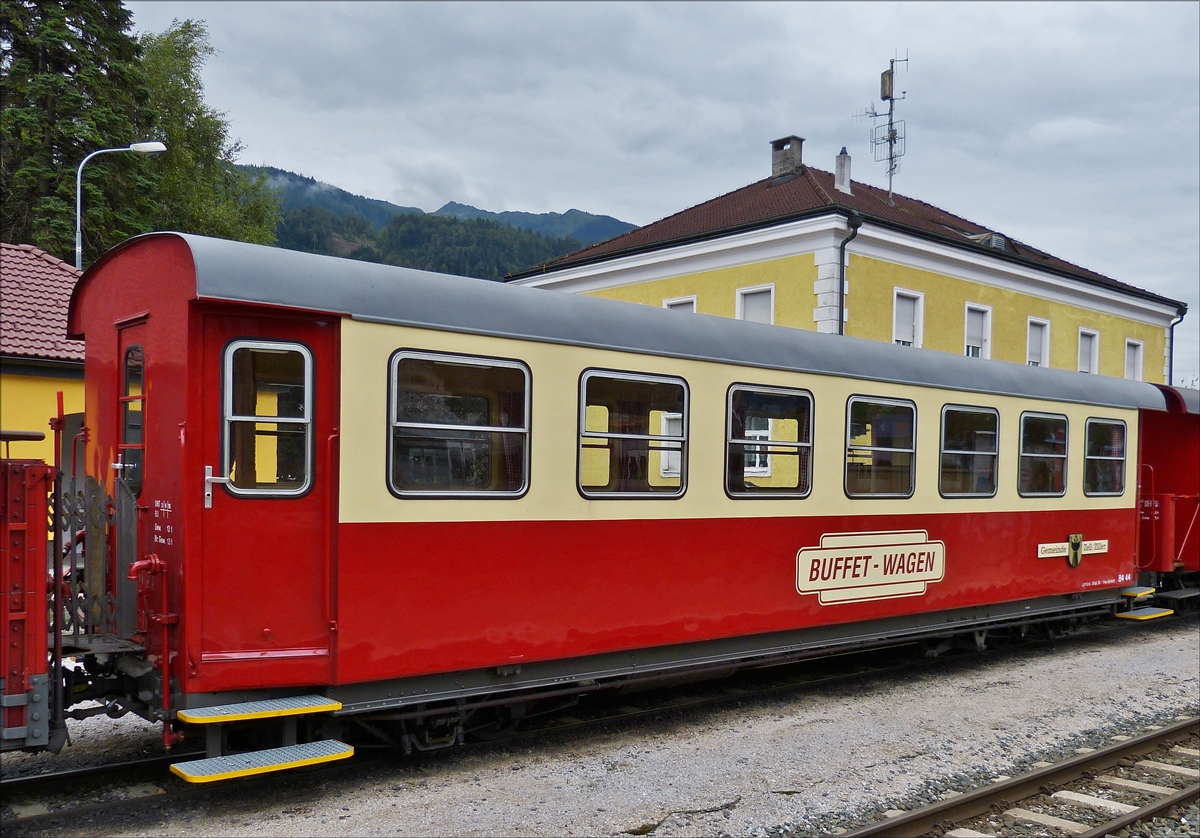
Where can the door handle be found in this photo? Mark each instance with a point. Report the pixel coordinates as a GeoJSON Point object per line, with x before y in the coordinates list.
{"type": "Point", "coordinates": [209, 480]}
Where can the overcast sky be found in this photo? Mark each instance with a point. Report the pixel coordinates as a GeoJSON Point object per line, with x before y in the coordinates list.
{"type": "Point", "coordinates": [1074, 127]}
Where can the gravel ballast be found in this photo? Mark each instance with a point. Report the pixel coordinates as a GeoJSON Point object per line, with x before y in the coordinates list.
{"type": "Point", "coordinates": [801, 763]}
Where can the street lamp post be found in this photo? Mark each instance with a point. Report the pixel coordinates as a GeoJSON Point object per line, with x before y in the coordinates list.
{"type": "Point", "coordinates": [138, 148]}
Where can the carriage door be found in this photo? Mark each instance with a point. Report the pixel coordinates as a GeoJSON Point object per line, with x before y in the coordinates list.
{"type": "Point", "coordinates": [266, 516]}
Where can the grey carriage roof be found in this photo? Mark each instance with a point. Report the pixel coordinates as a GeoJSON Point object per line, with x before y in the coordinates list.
{"type": "Point", "coordinates": [240, 272]}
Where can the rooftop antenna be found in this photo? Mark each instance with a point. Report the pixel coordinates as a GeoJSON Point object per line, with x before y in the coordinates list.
{"type": "Point", "coordinates": [888, 140]}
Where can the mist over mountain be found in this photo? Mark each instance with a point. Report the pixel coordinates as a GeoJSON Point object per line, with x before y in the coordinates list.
{"type": "Point", "coordinates": [297, 191]}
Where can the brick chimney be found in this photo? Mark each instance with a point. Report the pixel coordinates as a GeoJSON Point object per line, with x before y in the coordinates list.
{"type": "Point", "coordinates": [785, 156]}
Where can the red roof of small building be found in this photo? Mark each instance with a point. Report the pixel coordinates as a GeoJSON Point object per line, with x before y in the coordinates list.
{"type": "Point", "coordinates": [809, 193]}
{"type": "Point", "coordinates": [35, 290]}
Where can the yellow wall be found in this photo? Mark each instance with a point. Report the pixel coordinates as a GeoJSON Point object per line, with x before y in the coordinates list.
{"type": "Point", "coordinates": [716, 291]}
{"type": "Point", "coordinates": [869, 304]}
{"type": "Point", "coordinates": [27, 402]}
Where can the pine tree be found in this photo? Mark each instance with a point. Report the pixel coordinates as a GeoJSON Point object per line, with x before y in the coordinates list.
{"type": "Point", "coordinates": [71, 83]}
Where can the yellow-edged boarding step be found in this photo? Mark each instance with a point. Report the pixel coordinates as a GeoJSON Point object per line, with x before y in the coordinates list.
{"type": "Point", "coordinates": [232, 766]}
{"type": "Point", "coordinates": [271, 708]}
{"type": "Point", "coordinates": [1137, 592]}
{"type": "Point", "coordinates": [1145, 613]}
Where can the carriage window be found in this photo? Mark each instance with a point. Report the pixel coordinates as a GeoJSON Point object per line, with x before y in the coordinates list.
{"type": "Point", "coordinates": [1043, 466]}
{"type": "Point", "coordinates": [880, 448]}
{"type": "Point", "coordinates": [968, 452]}
{"type": "Point", "coordinates": [133, 401]}
{"type": "Point", "coordinates": [768, 450]}
{"type": "Point", "coordinates": [1104, 458]}
{"type": "Point", "coordinates": [268, 418]}
{"type": "Point", "coordinates": [632, 435]}
{"type": "Point", "coordinates": [459, 426]}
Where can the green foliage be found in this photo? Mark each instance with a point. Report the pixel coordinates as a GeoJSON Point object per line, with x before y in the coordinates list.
{"type": "Point", "coordinates": [200, 189]}
{"type": "Point", "coordinates": [479, 248]}
{"type": "Point", "coordinates": [73, 80]}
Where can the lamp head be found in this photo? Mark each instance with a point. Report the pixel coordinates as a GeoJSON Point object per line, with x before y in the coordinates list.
{"type": "Point", "coordinates": [154, 147]}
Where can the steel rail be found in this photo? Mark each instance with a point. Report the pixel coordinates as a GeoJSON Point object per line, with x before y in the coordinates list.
{"type": "Point", "coordinates": [970, 804]}
{"type": "Point", "coordinates": [1150, 810]}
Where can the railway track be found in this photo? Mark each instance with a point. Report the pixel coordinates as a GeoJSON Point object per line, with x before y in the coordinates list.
{"type": "Point", "coordinates": [46, 799]}
{"type": "Point", "coordinates": [1092, 795]}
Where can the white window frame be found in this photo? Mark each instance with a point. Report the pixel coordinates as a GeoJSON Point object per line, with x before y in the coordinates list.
{"type": "Point", "coordinates": [1094, 360]}
{"type": "Point", "coordinates": [763, 451]}
{"type": "Point", "coordinates": [755, 289]}
{"type": "Point", "coordinates": [918, 317]}
{"type": "Point", "coordinates": [229, 417]}
{"type": "Point", "coordinates": [674, 302]}
{"type": "Point", "coordinates": [671, 460]}
{"type": "Point", "coordinates": [1141, 356]}
{"type": "Point", "coordinates": [1045, 324]}
{"type": "Point", "coordinates": [985, 351]}
{"type": "Point", "coordinates": [460, 360]}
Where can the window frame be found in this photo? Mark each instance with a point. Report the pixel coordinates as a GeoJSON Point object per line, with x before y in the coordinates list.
{"type": "Point", "coordinates": [968, 408]}
{"type": "Point", "coordinates": [581, 433]}
{"type": "Point", "coordinates": [1141, 357]}
{"type": "Point", "coordinates": [227, 416]}
{"type": "Point", "coordinates": [810, 445]}
{"type": "Point", "coordinates": [846, 447]}
{"type": "Point", "coordinates": [742, 293]}
{"type": "Point", "coordinates": [1093, 356]}
{"type": "Point", "coordinates": [461, 360]}
{"type": "Point", "coordinates": [670, 303]}
{"type": "Point", "coordinates": [918, 298]}
{"type": "Point", "coordinates": [1065, 456]}
{"type": "Point", "coordinates": [1045, 348]}
{"type": "Point", "coordinates": [1123, 458]}
{"type": "Point", "coordinates": [125, 400]}
{"type": "Point", "coordinates": [985, 351]}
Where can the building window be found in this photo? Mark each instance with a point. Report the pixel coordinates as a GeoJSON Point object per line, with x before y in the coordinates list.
{"type": "Point", "coordinates": [459, 426]}
{"type": "Point", "coordinates": [969, 455]}
{"type": "Point", "coordinates": [907, 317]}
{"type": "Point", "coordinates": [756, 304]}
{"type": "Point", "coordinates": [768, 450]}
{"type": "Point", "coordinates": [1133, 360]}
{"type": "Point", "coordinates": [880, 447]}
{"type": "Point", "coordinates": [1104, 457]}
{"type": "Point", "coordinates": [267, 403]}
{"type": "Point", "coordinates": [1043, 460]}
{"type": "Point", "coordinates": [978, 343]}
{"type": "Point", "coordinates": [632, 435]}
{"type": "Point", "coordinates": [684, 304]}
{"type": "Point", "coordinates": [1037, 353]}
{"type": "Point", "coordinates": [1089, 351]}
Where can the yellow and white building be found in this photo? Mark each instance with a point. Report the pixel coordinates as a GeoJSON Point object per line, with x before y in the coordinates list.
{"type": "Point", "coordinates": [36, 358]}
{"type": "Point", "coordinates": [913, 274]}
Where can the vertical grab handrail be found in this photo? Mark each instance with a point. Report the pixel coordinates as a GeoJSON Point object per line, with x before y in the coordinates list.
{"type": "Point", "coordinates": [57, 710]}
{"type": "Point", "coordinates": [331, 520]}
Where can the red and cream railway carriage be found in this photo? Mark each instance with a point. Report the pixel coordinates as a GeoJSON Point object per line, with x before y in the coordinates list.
{"type": "Point", "coordinates": [359, 489]}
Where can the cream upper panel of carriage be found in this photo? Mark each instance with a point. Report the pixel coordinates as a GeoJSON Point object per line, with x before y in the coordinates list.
{"type": "Point", "coordinates": [552, 492]}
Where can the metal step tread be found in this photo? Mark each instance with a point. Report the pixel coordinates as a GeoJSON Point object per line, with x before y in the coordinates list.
{"type": "Point", "coordinates": [261, 762]}
{"type": "Point", "coordinates": [1137, 592]}
{"type": "Point", "coordinates": [1145, 613]}
{"type": "Point", "coordinates": [1186, 593]}
{"type": "Point", "coordinates": [269, 708]}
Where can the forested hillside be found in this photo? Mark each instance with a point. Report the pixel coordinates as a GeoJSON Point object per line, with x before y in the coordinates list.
{"type": "Point", "coordinates": [476, 247]}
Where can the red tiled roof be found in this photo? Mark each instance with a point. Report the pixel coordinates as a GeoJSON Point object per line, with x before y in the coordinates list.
{"type": "Point", "coordinates": [811, 192]}
{"type": "Point", "coordinates": [35, 290]}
